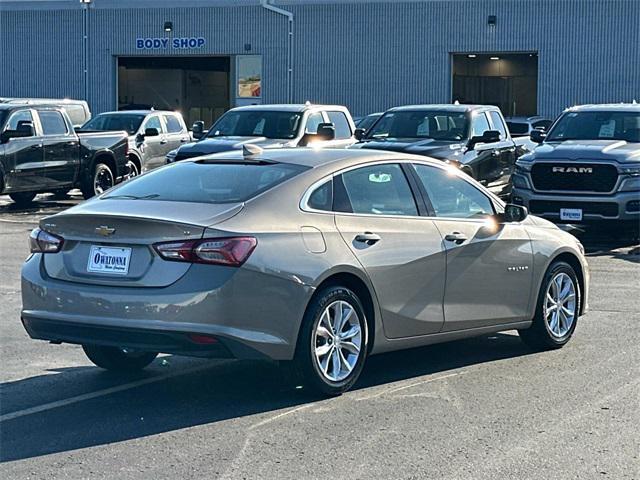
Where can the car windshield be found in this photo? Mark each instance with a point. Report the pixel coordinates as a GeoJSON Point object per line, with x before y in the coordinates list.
{"type": "Point", "coordinates": [597, 126]}
{"type": "Point", "coordinates": [206, 182]}
{"type": "Point", "coordinates": [113, 121]}
{"type": "Point", "coordinates": [439, 125]}
{"type": "Point", "coordinates": [257, 123]}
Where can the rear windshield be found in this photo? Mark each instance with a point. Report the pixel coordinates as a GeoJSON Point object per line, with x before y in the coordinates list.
{"type": "Point", "coordinates": [114, 121]}
{"type": "Point", "coordinates": [518, 128]}
{"type": "Point", "coordinates": [206, 182]}
{"type": "Point", "coordinates": [596, 126]}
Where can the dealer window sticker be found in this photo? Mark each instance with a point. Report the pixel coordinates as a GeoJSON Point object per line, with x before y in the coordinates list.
{"type": "Point", "coordinates": [607, 130]}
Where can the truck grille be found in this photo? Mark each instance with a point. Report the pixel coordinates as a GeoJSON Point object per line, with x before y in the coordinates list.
{"type": "Point", "coordinates": [605, 209]}
{"type": "Point", "coordinates": [592, 178]}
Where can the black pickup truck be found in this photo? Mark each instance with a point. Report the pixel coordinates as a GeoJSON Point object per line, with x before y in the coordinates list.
{"type": "Point", "coordinates": [41, 152]}
{"type": "Point", "coordinates": [475, 138]}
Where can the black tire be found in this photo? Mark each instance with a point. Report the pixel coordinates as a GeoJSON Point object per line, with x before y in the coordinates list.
{"type": "Point", "coordinates": [307, 364]}
{"type": "Point", "coordinates": [22, 199]}
{"type": "Point", "coordinates": [116, 359]}
{"type": "Point", "coordinates": [101, 179]}
{"type": "Point", "coordinates": [539, 336]}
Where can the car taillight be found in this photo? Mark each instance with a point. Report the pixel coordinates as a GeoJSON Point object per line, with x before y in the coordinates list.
{"type": "Point", "coordinates": [231, 251]}
{"type": "Point", "coordinates": [41, 241]}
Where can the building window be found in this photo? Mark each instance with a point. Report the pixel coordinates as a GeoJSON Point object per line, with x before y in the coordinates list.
{"type": "Point", "coordinates": [249, 74]}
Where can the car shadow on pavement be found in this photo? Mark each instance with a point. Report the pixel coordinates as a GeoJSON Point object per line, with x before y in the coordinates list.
{"type": "Point", "coordinates": [199, 396]}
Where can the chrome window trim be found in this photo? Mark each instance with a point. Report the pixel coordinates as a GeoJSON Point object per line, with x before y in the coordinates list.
{"type": "Point", "coordinates": [303, 204]}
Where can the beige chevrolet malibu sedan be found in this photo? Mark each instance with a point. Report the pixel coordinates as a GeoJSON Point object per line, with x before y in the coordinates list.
{"type": "Point", "coordinates": [314, 258]}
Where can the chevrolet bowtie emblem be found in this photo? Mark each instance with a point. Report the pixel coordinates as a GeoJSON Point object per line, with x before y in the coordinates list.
{"type": "Point", "coordinates": [105, 231]}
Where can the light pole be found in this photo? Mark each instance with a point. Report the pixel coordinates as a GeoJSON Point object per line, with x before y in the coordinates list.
{"type": "Point", "coordinates": [85, 46]}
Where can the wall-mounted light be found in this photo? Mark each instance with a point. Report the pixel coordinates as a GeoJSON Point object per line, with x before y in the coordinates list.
{"type": "Point", "coordinates": [492, 20]}
{"type": "Point", "coordinates": [168, 26]}
{"type": "Point", "coordinates": [495, 58]}
{"type": "Point", "coordinates": [472, 55]}
{"type": "Point", "coordinates": [85, 1]}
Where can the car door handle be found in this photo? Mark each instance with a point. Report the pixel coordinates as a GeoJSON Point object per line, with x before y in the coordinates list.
{"type": "Point", "coordinates": [184, 140]}
{"type": "Point", "coordinates": [163, 141]}
{"type": "Point", "coordinates": [456, 237]}
{"type": "Point", "coordinates": [368, 238]}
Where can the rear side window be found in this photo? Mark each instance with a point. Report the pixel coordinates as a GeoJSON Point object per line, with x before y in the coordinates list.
{"type": "Point", "coordinates": [173, 124]}
{"type": "Point", "coordinates": [204, 182]}
{"type": "Point", "coordinates": [322, 197]}
{"type": "Point", "coordinates": [340, 122]}
{"type": "Point", "coordinates": [498, 124]}
{"type": "Point", "coordinates": [379, 190]}
{"type": "Point", "coordinates": [52, 123]}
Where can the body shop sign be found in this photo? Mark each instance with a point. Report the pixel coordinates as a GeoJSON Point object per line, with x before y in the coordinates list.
{"type": "Point", "coordinates": [183, 43]}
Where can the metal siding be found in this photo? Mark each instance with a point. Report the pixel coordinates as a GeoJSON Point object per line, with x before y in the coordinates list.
{"type": "Point", "coordinates": [368, 56]}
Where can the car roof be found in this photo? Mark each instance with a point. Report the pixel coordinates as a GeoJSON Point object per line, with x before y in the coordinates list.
{"type": "Point", "coordinates": [135, 112]}
{"type": "Point", "coordinates": [448, 107]}
{"type": "Point", "coordinates": [319, 157]}
{"type": "Point", "coordinates": [533, 118]}
{"type": "Point", "coordinates": [606, 107]}
{"type": "Point", "coordinates": [299, 108]}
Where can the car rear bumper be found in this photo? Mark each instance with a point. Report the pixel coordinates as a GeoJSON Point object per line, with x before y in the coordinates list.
{"type": "Point", "coordinates": [621, 207]}
{"type": "Point", "coordinates": [251, 315]}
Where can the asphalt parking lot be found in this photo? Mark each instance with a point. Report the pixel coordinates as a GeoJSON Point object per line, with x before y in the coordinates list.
{"type": "Point", "coordinates": [486, 408]}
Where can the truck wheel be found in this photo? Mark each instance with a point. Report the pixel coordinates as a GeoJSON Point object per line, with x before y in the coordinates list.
{"type": "Point", "coordinates": [132, 169]}
{"type": "Point", "coordinates": [332, 347]}
{"type": "Point", "coordinates": [557, 309]}
{"type": "Point", "coordinates": [118, 359]}
{"type": "Point", "coordinates": [22, 199]}
{"type": "Point", "coordinates": [101, 180]}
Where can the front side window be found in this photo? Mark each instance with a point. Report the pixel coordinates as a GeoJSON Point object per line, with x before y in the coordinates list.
{"type": "Point", "coordinates": [313, 121]}
{"type": "Point", "coordinates": [173, 124]}
{"type": "Point", "coordinates": [257, 123]}
{"type": "Point", "coordinates": [542, 124]}
{"type": "Point", "coordinates": [154, 122]}
{"type": "Point", "coordinates": [479, 125]}
{"type": "Point", "coordinates": [452, 196]}
{"type": "Point", "coordinates": [438, 125]}
{"type": "Point", "coordinates": [341, 124]}
{"type": "Point", "coordinates": [21, 116]}
{"type": "Point", "coordinates": [518, 128]}
{"type": "Point", "coordinates": [379, 190]}
{"type": "Point", "coordinates": [498, 124]}
{"type": "Point", "coordinates": [597, 126]}
{"type": "Point", "coordinates": [52, 123]}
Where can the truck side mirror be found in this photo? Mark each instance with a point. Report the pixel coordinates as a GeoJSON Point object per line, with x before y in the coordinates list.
{"type": "Point", "coordinates": [326, 131]}
{"type": "Point", "coordinates": [151, 132]}
{"type": "Point", "coordinates": [23, 129]}
{"type": "Point", "coordinates": [489, 136]}
{"type": "Point", "coordinates": [359, 133]}
{"type": "Point", "coordinates": [197, 129]}
{"type": "Point", "coordinates": [537, 136]}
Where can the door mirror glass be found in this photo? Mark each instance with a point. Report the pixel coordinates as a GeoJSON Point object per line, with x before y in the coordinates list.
{"type": "Point", "coordinates": [513, 213]}
{"type": "Point", "coordinates": [198, 129]}
{"type": "Point", "coordinates": [151, 132]}
{"type": "Point", "coordinates": [538, 136]}
{"type": "Point", "coordinates": [326, 131]}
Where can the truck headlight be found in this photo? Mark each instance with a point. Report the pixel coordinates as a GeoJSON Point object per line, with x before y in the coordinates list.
{"type": "Point", "coordinates": [522, 167]}
{"type": "Point", "coordinates": [630, 184]}
{"type": "Point", "coordinates": [520, 181]}
{"type": "Point", "coordinates": [633, 171]}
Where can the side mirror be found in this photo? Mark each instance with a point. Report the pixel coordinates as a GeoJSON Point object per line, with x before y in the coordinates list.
{"type": "Point", "coordinates": [151, 132]}
{"type": "Point", "coordinates": [24, 129]}
{"type": "Point", "coordinates": [359, 133]}
{"type": "Point", "coordinates": [489, 136]}
{"type": "Point", "coordinates": [197, 129]}
{"type": "Point", "coordinates": [538, 136]}
{"type": "Point", "coordinates": [513, 213]}
{"type": "Point", "coordinates": [326, 131]}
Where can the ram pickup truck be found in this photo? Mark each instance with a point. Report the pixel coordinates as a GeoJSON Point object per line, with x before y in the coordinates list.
{"type": "Point", "coordinates": [41, 152]}
{"type": "Point", "coordinates": [152, 134]}
{"type": "Point", "coordinates": [272, 126]}
{"type": "Point", "coordinates": [474, 138]}
{"type": "Point", "coordinates": [586, 169]}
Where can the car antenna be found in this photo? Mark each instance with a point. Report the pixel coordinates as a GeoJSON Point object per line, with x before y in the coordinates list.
{"type": "Point", "coordinates": [250, 151]}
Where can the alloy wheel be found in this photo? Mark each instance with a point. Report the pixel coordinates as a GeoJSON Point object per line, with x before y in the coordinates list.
{"type": "Point", "coordinates": [337, 341]}
{"type": "Point", "coordinates": [102, 180]}
{"type": "Point", "coordinates": [560, 305]}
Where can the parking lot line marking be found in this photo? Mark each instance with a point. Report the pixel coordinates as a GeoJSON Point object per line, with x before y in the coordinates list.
{"type": "Point", "coordinates": [101, 393]}
{"type": "Point", "coordinates": [404, 387]}
{"type": "Point", "coordinates": [278, 416]}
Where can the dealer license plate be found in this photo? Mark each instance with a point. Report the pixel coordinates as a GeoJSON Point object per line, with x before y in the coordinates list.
{"type": "Point", "coordinates": [109, 260]}
{"type": "Point", "coordinates": [572, 214]}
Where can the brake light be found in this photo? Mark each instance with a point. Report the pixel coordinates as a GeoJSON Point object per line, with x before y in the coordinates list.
{"type": "Point", "coordinates": [231, 251]}
{"type": "Point", "coordinates": [41, 241]}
